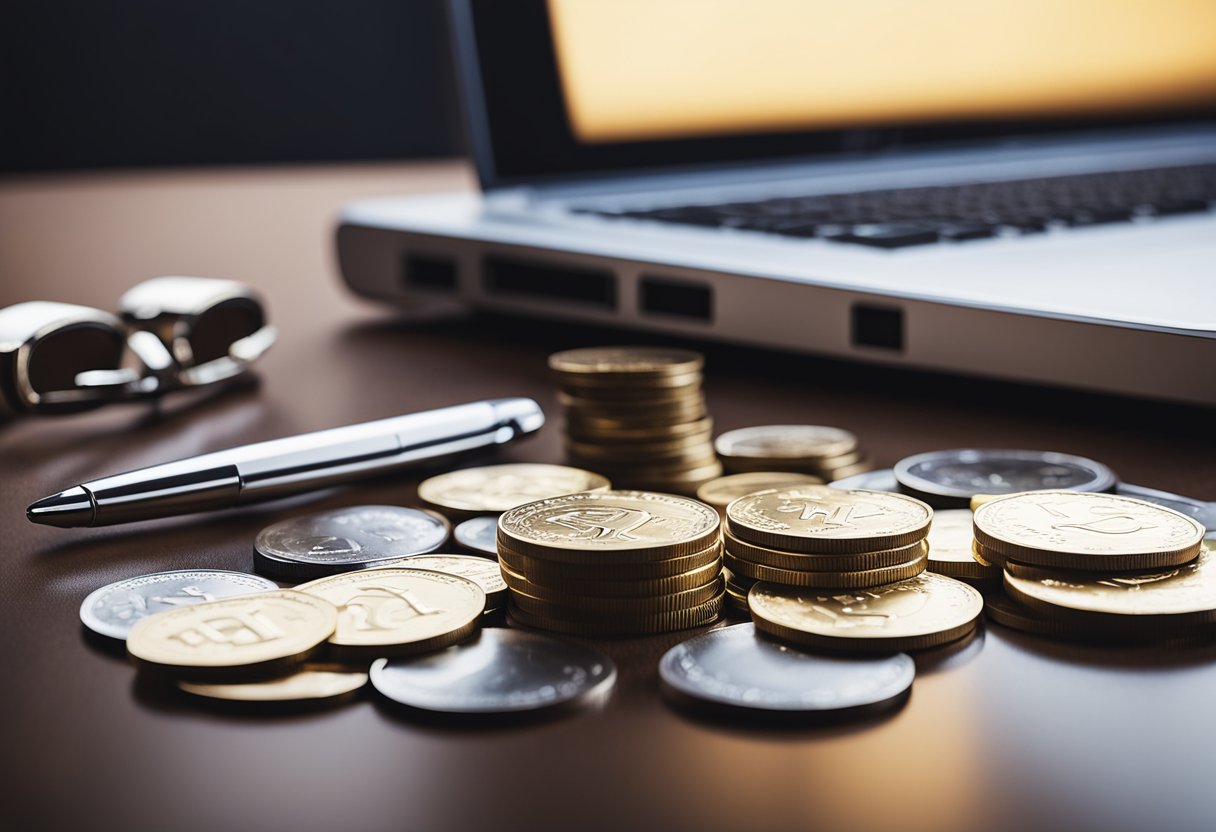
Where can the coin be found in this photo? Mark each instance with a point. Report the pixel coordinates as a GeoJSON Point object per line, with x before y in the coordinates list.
{"type": "Point", "coordinates": [345, 539]}
{"type": "Point", "coordinates": [736, 667]}
{"type": "Point", "coordinates": [816, 518]}
{"type": "Point", "coordinates": [920, 612]}
{"type": "Point", "coordinates": [949, 479]}
{"type": "Point", "coordinates": [478, 534]}
{"type": "Point", "coordinates": [882, 479]}
{"type": "Point", "coordinates": [830, 580]}
{"type": "Point", "coordinates": [113, 609]}
{"type": "Point", "coordinates": [1077, 530]}
{"type": "Point", "coordinates": [548, 584]}
{"type": "Point", "coordinates": [496, 488]}
{"type": "Point", "coordinates": [485, 573]}
{"type": "Point", "coordinates": [399, 611]}
{"type": "Point", "coordinates": [248, 636]}
{"type": "Point", "coordinates": [718, 492]}
{"type": "Point", "coordinates": [1009, 613]}
{"type": "Point", "coordinates": [498, 671]}
{"type": "Point", "coordinates": [799, 561]}
{"type": "Point", "coordinates": [609, 526]}
{"type": "Point", "coordinates": [1180, 594]}
{"type": "Point", "coordinates": [594, 608]}
{"type": "Point", "coordinates": [785, 442]}
{"type": "Point", "coordinates": [307, 684]}
{"type": "Point", "coordinates": [549, 571]}
{"type": "Point", "coordinates": [951, 550]}
{"type": "Point", "coordinates": [700, 428]}
{"type": "Point", "coordinates": [638, 625]}
{"type": "Point", "coordinates": [629, 361]}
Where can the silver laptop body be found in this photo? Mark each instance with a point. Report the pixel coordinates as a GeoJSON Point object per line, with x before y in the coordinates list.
{"type": "Point", "coordinates": [1126, 307]}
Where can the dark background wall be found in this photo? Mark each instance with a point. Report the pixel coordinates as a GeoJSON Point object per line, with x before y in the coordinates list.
{"type": "Point", "coordinates": [184, 82]}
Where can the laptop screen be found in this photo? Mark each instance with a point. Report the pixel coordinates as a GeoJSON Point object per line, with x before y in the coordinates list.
{"type": "Point", "coordinates": [570, 87]}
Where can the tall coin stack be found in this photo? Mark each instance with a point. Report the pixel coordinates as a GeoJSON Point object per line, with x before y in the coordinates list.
{"type": "Point", "coordinates": [820, 451]}
{"type": "Point", "coordinates": [1098, 567]}
{"type": "Point", "coordinates": [637, 415]}
{"type": "Point", "coordinates": [612, 563]}
{"type": "Point", "coordinates": [818, 537]}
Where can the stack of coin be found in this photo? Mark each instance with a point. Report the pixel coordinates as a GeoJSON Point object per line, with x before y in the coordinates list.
{"type": "Point", "coordinates": [814, 536]}
{"type": "Point", "coordinates": [1100, 567]}
{"type": "Point", "coordinates": [637, 415]}
{"type": "Point", "coordinates": [612, 563]}
{"type": "Point", "coordinates": [952, 548]}
{"type": "Point", "coordinates": [824, 452]}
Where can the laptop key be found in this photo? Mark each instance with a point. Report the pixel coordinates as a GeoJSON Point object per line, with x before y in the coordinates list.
{"type": "Point", "coordinates": [891, 235]}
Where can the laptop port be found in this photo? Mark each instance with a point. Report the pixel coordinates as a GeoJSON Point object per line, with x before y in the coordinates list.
{"type": "Point", "coordinates": [426, 271]}
{"type": "Point", "coordinates": [676, 297]}
{"type": "Point", "coordinates": [878, 326]}
{"type": "Point", "coordinates": [530, 279]}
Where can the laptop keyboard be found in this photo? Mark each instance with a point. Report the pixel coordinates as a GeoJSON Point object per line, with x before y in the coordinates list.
{"type": "Point", "coordinates": [901, 217]}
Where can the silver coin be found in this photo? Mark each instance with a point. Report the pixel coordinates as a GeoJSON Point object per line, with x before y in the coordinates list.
{"type": "Point", "coordinates": [113, 610]}
{"type": "Point", "coordinates": [949, 479]}
{"type": "Point", "coordinates": [346, 539]}
{"type": "Point", "coordinates": [498, 671]}
{"type": "Point", "coordinates": [882, 479]}
{"type": "Point", "coordinates": [735, 667]}
{"type": "Point", "coordinates": [479, 535]}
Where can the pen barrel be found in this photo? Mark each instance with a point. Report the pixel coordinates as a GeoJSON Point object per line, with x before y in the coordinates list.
{"type": "Point", "coordinates": [174, 490]}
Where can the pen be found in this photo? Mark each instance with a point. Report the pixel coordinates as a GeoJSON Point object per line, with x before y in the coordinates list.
{"type": "Point", "coordinates": [279, 467]}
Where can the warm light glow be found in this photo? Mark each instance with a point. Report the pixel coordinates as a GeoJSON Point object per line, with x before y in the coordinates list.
{"type": "Point", "coordinates": [646, 69]}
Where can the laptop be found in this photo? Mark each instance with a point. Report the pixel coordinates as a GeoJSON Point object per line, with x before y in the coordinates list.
{"type": "Point", "coordinates": [1014, 189]}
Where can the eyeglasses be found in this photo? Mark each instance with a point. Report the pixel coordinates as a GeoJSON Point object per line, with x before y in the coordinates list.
{"type": "Point", "coordinates": [170, 333]}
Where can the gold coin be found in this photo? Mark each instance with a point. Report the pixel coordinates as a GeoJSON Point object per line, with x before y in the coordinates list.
{"type": "Point", "coordinates": [826, 580]}
{"type": "Point", "coordinates": [609, 526]}
{"type": "Point", "coordinates": [525, 597]}
{"type": "Point", "coordinates": [1009, 613]}
{"type": "Point", "coordinates": [307, 684]}
{"type": "Point", "coordinates": [815, 467]}
{"type": "Point", "coordinates": [920, 612]}
{"type": "Point", "coordinates": [663, 622]}
{"type": "Point", "coordinates": [548, 571]}
{"type": "Point", "coordinates": [1081, 530]}
{"type": "Point", "coordinates": [699, 427]}
{"type": "Point", "coordinates": [982, 499]}
{"type": "Point", "coordinates": [820, 519]}
{"type": "Point", "coordinates": [481, 571]}
{"type": "Point", "coordinates": [691, 448]}
{"type": "Point", "coordinates": [799, 561]}
{"type": "Point", "coordinates": [494, 488]}
{"type": "Point", "coordinates": [720, 491]}
{"type": "Point", "coordinates": [951, 549]}
{"type": "Point", "coordinates": [544, 585]}
{"type": "Point", "coordinates": [629, 386]}
{"type": "Point", "coordinates": [1180, 594]}
{"type": "Point", "coordinates": [785, 442]}
{"type": "Point", "coordinates": [245, 636]}
{"type": "Point", "coordinates": [679, 478]}
{"type": "Point", "coordinates": [632, 419]}
{"type": "Point", "coordinates": [839, 473]}
{"type": "Point", "coordinates": [627, 361]}
{"type": "Point", "coordinates": [394, 611]}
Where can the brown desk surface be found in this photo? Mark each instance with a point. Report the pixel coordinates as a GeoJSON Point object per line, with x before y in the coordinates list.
{"type": "Point", "coordinates": [1013, 732]}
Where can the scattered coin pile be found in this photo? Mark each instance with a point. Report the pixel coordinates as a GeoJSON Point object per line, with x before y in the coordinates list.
{"type": "Point", "coordinates": [1098, 567]}
{"type": "Point", "coordinates": [612, 563]}
{"type": "Point", "coordinates": [818, 537]}
{"type": "Point", "coordinates": [637, 415]}
{"type": "Point", "coordinates": [824, 452]}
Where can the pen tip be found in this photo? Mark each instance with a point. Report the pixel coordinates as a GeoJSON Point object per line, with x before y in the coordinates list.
{"type": "Point", "coordinates": [66, 509]}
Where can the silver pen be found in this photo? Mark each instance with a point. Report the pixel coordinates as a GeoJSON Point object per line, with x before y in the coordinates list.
{"type": "Point", "coordinates": [279, 467]}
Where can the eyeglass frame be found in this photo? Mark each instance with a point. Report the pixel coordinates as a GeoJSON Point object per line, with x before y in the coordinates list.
{"type": "Point", "coordinates": [154, 322]}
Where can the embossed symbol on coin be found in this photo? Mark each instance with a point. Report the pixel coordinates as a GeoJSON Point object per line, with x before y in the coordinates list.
{"type": "Point", "coordinates": [600, 523]}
